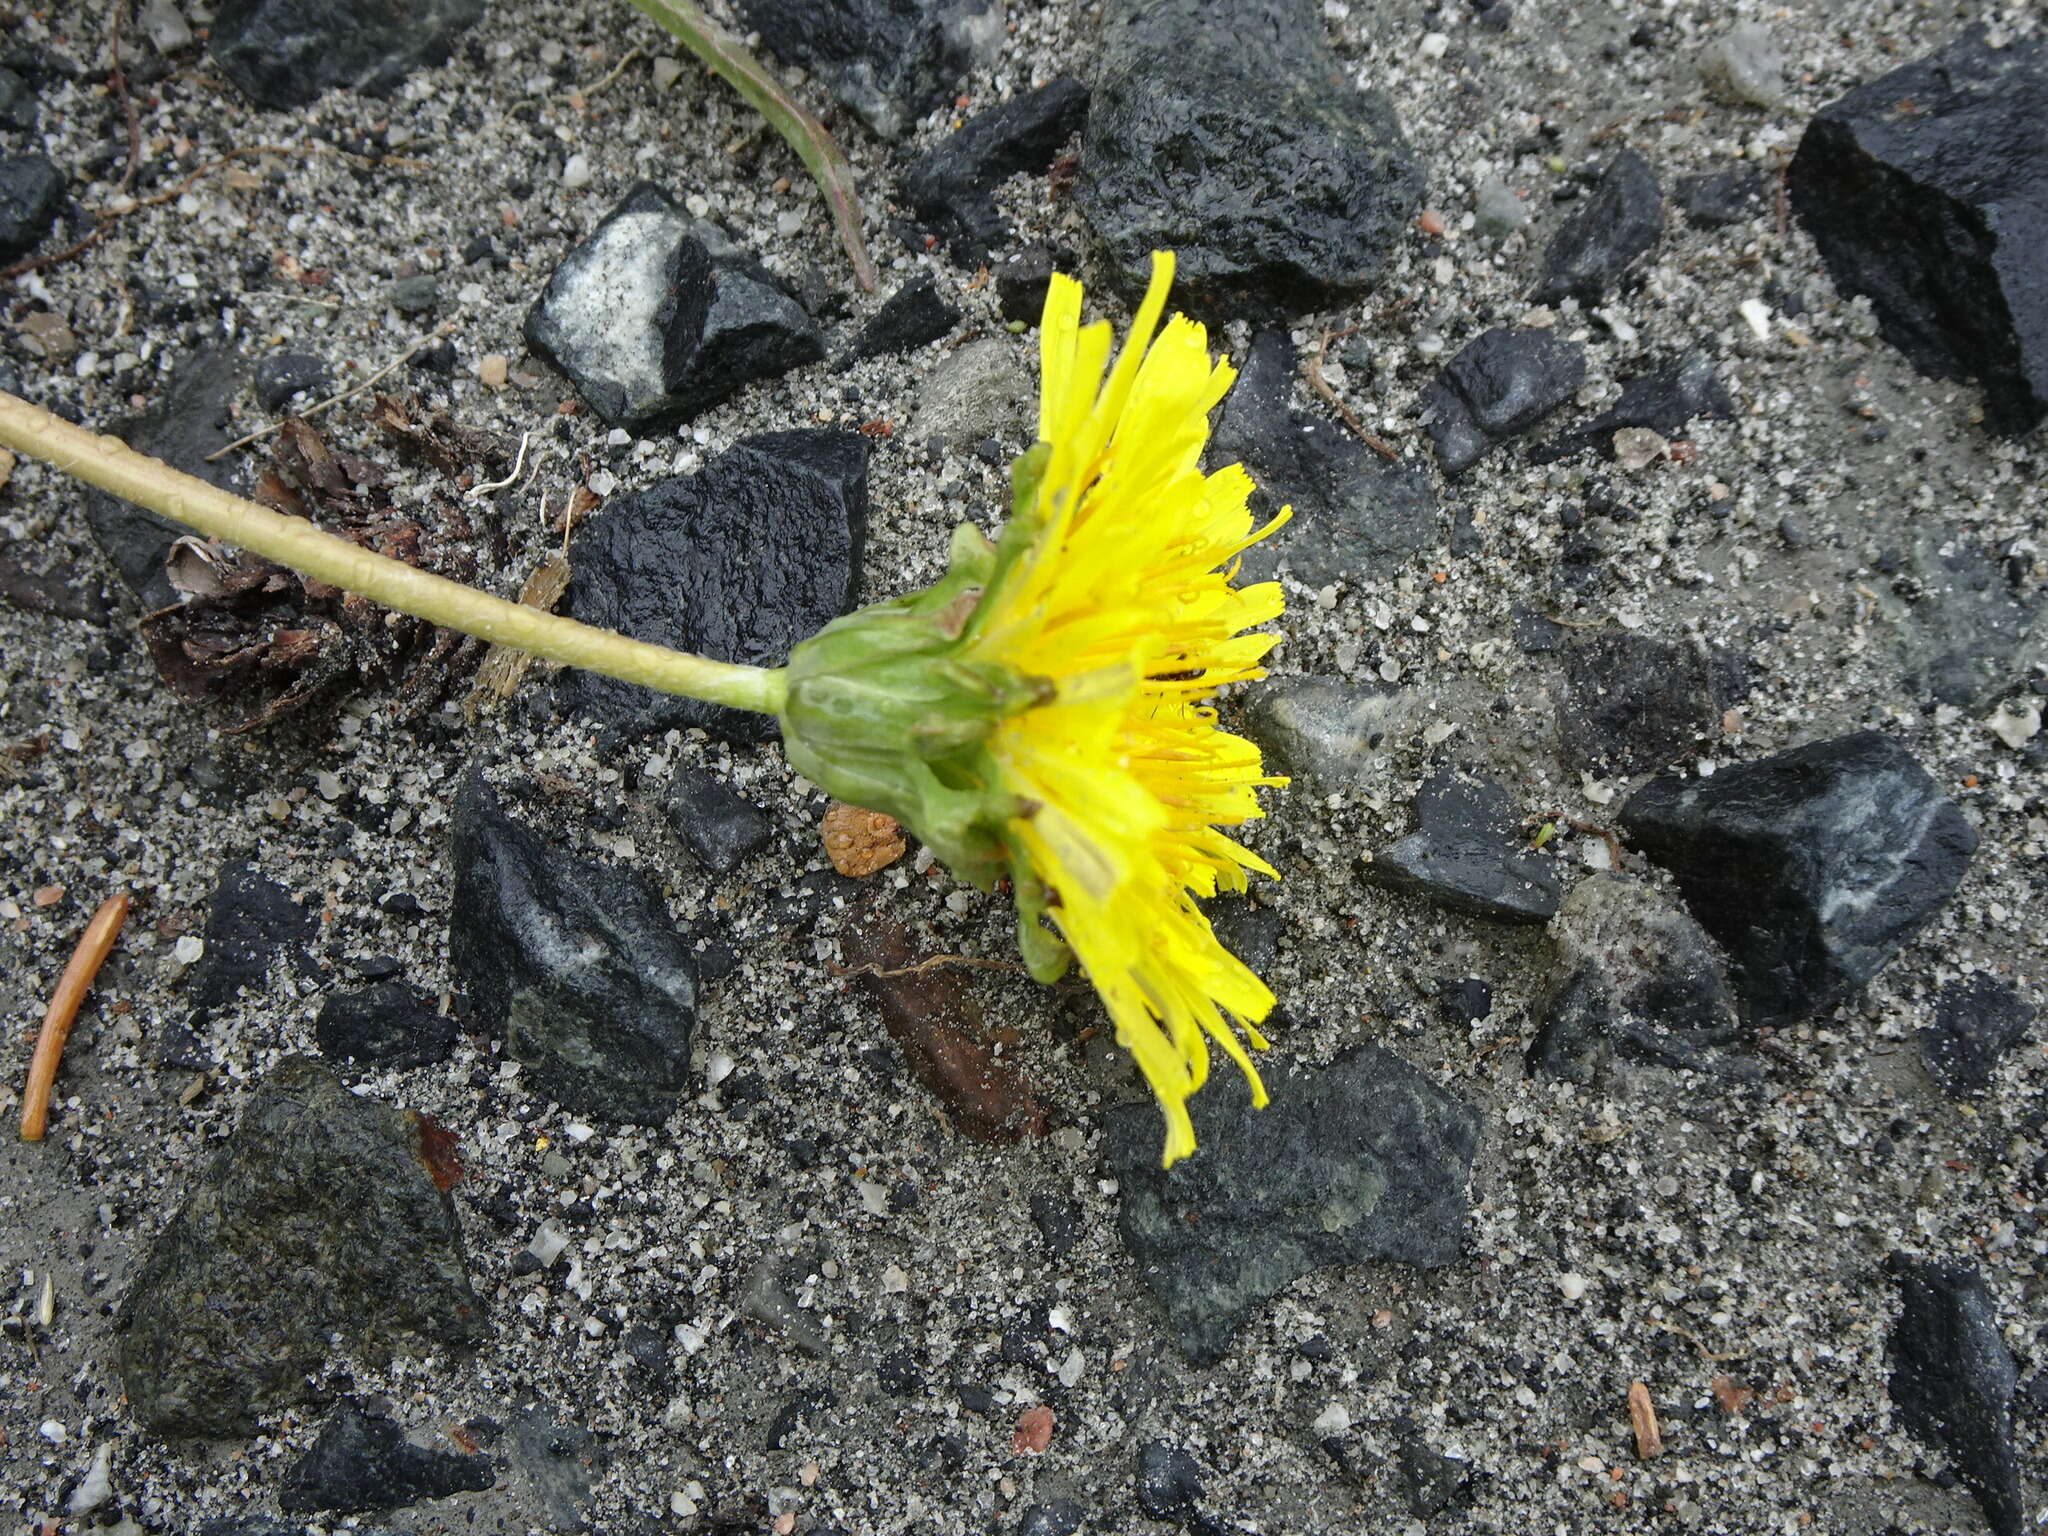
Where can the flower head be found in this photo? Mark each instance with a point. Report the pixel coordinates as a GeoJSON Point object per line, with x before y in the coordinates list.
{"type": "Point", "coordinates": [1042, 711]}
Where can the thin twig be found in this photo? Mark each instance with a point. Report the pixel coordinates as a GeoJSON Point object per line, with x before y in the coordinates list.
{"type": "Point", "coordinates": [1694, 1339]}
{"type": "Point", "coordinates": [76, 981]}
{"type": "Point", "coordinates": [313, 410]}
{"type": "Point", "coordinates": [1314, 373]}
{"type": "Point", "coordinates": [117, 82]}
{"type": "Point", "coordinates": [518, 466]}
{"type": "Point", "coordinates": [617, 70]}
{"type": "Point", "coordinates": [930, 963]}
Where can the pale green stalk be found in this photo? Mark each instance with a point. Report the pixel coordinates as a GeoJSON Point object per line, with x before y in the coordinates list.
{"type": "Point", "coordinates": [112, 465]}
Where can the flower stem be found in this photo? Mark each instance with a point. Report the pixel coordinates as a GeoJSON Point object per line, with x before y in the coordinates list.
{"type": "Point", "coordinates": [113, 466]}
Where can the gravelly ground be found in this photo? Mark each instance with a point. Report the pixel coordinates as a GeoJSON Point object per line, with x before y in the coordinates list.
{"type": "Point", "coordinates": [1690, 1270]}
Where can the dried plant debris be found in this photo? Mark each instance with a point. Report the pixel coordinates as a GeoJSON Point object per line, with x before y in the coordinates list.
{"type": "Point", "coordinates": [263, 642]}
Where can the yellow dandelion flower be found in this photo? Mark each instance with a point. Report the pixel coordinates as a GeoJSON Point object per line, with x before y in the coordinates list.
{"type": "Point", "coordinates": [1042, 711]}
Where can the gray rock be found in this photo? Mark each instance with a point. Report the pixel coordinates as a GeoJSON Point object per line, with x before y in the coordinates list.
{"type": "Point", "coordinates": [716, 825]}
{"type": "Point", "coordinates": [164, 25]}
{"type": "Point", "coordinates": [579, 966]}
{"type": "Point", "coordinates": [17, 102]}
{"type": "Point", "coordinates": [1497, 211]}
{"type": "Point", "coordinates": [284, 375]}
{"type": "Point", "coordinates": [656, 317]}
{"type": "Point", "coordinates": [1811, 868]}
{"type": "Point", "coordinates": [386, 1025]}
{"type": "Point", "coordinates": [1363, 1159]}
{"type": "Point", "coordinates": [1963, 633]}
{"type": "Point", "coordinates": [319, 1223]}
{"type": "Point", "coordinates": [284, 53]}
{"type": "Point", "coordinates": [1720, 198]}
{"type": "Point", "coordinates": [887, 61]}
{"type": "Point", "coordinates": [1469, 853]}
{"type": "Point", "coordinates": [1666, 400]}
{"type": "Point", "coordinates": [758, 550]}
{"type": "Point", "coordinates": [1605, 240]}
{"type": "Point", "coordinates": [1644, 985]}
{"type": "Point", "coordinates": [1230, 137]}
{"type": "Point", "coordinates": [1975, 1022]}
{"type": "Point", "coordinates": [189, 422]}
{"type": "Point", "coordinates": [952, 188]}
{"type": "Point", "coordinates": [363, 1461]}
{"type": "Point", "coordinates": [416, 295]}
{"type": "Point", "coordinates": [1745, 67]}
{"type": "Point", "coordinates": [1354, 514]}
{"type": "Point", "coordinates": [1940, 214]}
{"type": "Point", "coordinates": [1633, 703]}
{"type": "Point", "coordinates": [1498, 386]}
{"type": "Point", "coordinates": [980, 391]}
{"type": "Point", "coordinates": [31, 192]}
{"type": "Point", "coordinates": [1326, 733]}
{"type": "Point", "coordinates": [1953, 1380]}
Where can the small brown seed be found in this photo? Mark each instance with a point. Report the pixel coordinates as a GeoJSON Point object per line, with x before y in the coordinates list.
{"type": "Point", "coordinates": [860, 842]}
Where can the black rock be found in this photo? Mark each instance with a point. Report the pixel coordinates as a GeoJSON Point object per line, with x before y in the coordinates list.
{"type": "Point", "coordinates": [1953, 1378]}
{"type": "Point", "coordinates": [282, 375]}
{"type": "Point", "coordinates": [31, 192]}
{"type": "Point", "coordinates": [191, 421]}
{"type": "Point", "coordinates": [887, 61]}
{"type": "Point", "coordinates": [251, 921]}
{"type": "Point", "coordinates": [284, 53]}
{"type": "Point", "coordinates": [714, 823]}
{"type": "Point", "coordinates": [1466, 1000]}
{"type": "Point", "coordinates": [1498, 386]}
{"type": "Point", "coordinates": [1667, 401]}
{"type": "Point", "coordinates": [1633, 703]}
{"type": "Point", "coordinates": [1060, 1223]}
{"type": "Point", "coordinates": [913, 316]}
{"type": "Point", "coordinates": [655, 317]}
{"type": "Point", "coordinates": [1354, 514]}
{"type": "Point", "coordinates": [758, 550]}
{"type": "Point", "coordinates": [1940, 214]}
{"type": "Point", "coordinates": [17, 102]}
{"type": "Point", "coordinates": [363, 1462]}
{"type": "Point", "coordinates": [386, 1025]}
{"type": "Point", "coordinates": [1363, 1159]}
{"type": "Point", "coordinates": [1469, 853]}
{"type": "Point", "coordinates": [952, 189]}
{"type": "Point", "coordinates": [1061, 1517]}
{"type": "Point", "coordinates": [1022, 280]}
{"type": "Point", "coordinates": [1720, 198]}
{"type": "Point", "coordinates": [1810, 867]}
{"type": "Point", "coordinates": [1643, 984]}
{"type": "Point", "coordinates": [1976, 1021]}
{"type": "Point", "coordinates": [580, 966]}
{"type": "Point", "coordinates": [1605, 239]}
{"type": "Point", "coordinates": [1169, 1482]}
{"type": "Point", "coordinates": [1435, 1481]}
{"type": "Point", "coordinates": [1232, 136]}
{"type": "Point", "coordinates": [320, 1224]}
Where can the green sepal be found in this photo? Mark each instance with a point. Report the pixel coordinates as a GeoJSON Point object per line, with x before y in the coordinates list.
{"type": "Point", "coordinates": [1046, 955]}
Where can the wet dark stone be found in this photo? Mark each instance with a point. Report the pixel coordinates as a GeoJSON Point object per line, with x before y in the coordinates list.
{"type": "Point", "coordinates": [1060, 1222]}
{"type": "Point", "coordinates": [578, 965]}
{"type": "Point", "coordinates": [1469, 852]}
{"type": "Point", "coordinates": [386, 1025]}
{"type": "Point", "coordinates": [951, 189]}
{"type": "Point", "coordinates": [1354, 514]}
{"type": "Point", "coordinates": [282, 375]}
{"type": "Point", "coordinates": [17, 102]}
{"type": "Point", "coordinates": [656, 317]}
{"type": "Point", "coordinates": [1975, 1022]}
{"type": "Point", "coordinates": [251, 921]}
{"type": "Point", "coordinates": [1536, 635]}
{"type": "Point", "coordinates": [188, 422]}
{"type": "Point", "coordinates": [1953, 1379]}
{"type": "Point", "coordinates": [1811, 867]}
{"type": "Point", "coordinates": [1605, 240]}
{"type": "Point", "coordinates": [31, 192]}
{"type": "Point", "coordinates": [334, 1192]}
{"type": "Point", "coordinates": [1668, 400]}
{"type": "Point", "coordinates": [1363, 1159]}
{"type": "Point", "coordinates": [1466, 1000]}
{"type": "Point", "coordinates": [1435, 1482]}
{"type": "Point", "coordinates": [717, 826]}
{"type": "Point", "coordinates": [1940, 214]}
{"type": "Point", "coordinates": [1233, 137]}
{"type": "Point", "coordinates": [1022, 280]}
{"type": "Point", "coordinates": [1169, 1482]}
{"type": "Point", "coordinates": [913, 316]}
{"type": "Point", "coordinates": [1061, 1517]}
{"type": "Point", "coordinates": [1633, 703]}
{"type": "Point", "coordinates": [1497, 387]}
{"type": "Point", "coordinates": [1644, 985]}
{"type": "Point", "coordinates": [284, 53]}
{"type": "Point", "coordinates": [1720, 198]}
{"type": "Point", "coordinates": [887, 61]}
{"type": "Point", "coordinates": [755, 552]}
{"type": "Point", "coordinates": [362, 1462]}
